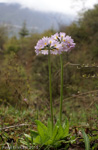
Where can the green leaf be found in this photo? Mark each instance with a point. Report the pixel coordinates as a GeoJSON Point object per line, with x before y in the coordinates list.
{"type": "Point", "coordinates": [60, 131]}
{"type": "Point", "coordinates": [32, 136]}
{"type": "Point", "coordinates": [42, 131]}
{"type": "Point", "coordinates": [51, 140]}
{"type": "Point", "coordinates": [66, 128]}
{"type": "Point", "coordinates": [37, 140]}
{"type": "Point", "coordinates": [86, 140]}
{"type": "Point", "coordinates": [55, 131]}
{"type": "Point", "coordinates": [34, 133]}
{"type": "Point", "coordinates": [28, 136]}
{"type": "Point", "coordinates": [41, 125]}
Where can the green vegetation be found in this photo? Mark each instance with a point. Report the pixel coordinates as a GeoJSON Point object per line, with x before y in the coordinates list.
{"type": "Point", "coordinates": [24, 87]}
{"type": "Point", "coordinates": [46, 136]}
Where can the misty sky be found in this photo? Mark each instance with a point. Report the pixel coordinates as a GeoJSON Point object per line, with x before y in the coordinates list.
{"type": "Point", "coordinates": [64, 6]}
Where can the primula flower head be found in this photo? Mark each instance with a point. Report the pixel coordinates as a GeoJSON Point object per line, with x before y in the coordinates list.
{"type": "Point", "coordinates": [48, 44]}
{"type": "Point", "coordinates": [67, 43]}
{"type": "Point", "coordinates": [56, 44]}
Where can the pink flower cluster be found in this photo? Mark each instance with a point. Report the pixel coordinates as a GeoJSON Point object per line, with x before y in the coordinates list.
{"type": "Point", "coordinates": [57, 43]}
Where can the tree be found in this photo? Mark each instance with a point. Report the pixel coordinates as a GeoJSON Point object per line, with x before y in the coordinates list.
{"type": "Point", "coordinates": [3, 36]}
{"type": "Point", "coordinates": [24, 31]}
{"type": "Point", "coordinates": [90, 20]}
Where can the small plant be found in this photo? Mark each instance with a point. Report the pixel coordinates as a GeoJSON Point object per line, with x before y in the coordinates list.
{"type": "Point", "coordinates": [45, 136]}
{"type": "Point", "coordinates": [56, 45]}
{"type": "Point", "coordinates": [52, 135]}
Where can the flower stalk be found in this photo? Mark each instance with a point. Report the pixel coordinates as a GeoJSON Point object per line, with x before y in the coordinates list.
{"type": "Point", "coordinates": [61, 89]}
{"type": "Point", "coordinates": [50, 88]}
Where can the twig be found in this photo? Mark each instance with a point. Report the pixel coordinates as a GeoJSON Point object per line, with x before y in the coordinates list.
{"type": "Point", "coordinates": [14, 126]}
{"type": "Point", "coordinates": [82, 94]}
{"type": "Point", "coordinates": [92, 103]}
{"type": "Point", "coordinates": [78, 95]}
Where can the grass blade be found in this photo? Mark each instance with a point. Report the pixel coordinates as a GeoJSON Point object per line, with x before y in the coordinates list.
{"type": "Point", "coordinates": [86, 140]}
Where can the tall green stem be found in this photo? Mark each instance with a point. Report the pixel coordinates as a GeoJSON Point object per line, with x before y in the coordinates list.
{"type": "Point", "coordinates": [50, 88]}
{"type": "Point", "coordinates": [61, 90]}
